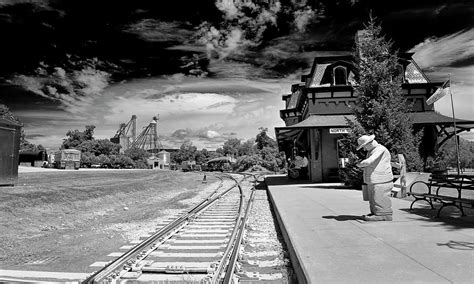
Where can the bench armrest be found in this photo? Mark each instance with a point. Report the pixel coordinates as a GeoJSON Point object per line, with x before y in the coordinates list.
{"type": "Point", "coordinates": [422, 182]}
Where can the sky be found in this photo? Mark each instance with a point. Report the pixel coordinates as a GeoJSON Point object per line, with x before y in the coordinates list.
{"type": "Point", "coordinates": [210, 71]}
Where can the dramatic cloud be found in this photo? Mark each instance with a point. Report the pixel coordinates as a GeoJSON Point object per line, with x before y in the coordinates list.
{"type": "Point", "coordinates": [159, 31]}
{"type": "Point", "coordinates": [455, 49]}
{"type": "Point", "coordinates": [74, 90]}
{"type": "Point", "coordinates": [14, 2]}
{"type": "Point", "coordinates": [451, 57]}
{"type": "Point", "coordinates": [201, 138]}
{"type": "Point", "coordinates": [243, 26]}
{"type": "Point", "coordinates": [304, 17]}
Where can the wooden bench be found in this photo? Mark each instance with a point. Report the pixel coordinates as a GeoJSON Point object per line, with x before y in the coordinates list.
{"type": "Point", "coordinates": [450, 190]}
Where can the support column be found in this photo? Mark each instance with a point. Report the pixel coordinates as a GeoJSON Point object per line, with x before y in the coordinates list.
{"type": "Point", "coordinates": [316, 171]}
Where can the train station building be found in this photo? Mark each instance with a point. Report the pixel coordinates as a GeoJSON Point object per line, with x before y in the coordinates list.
{"type": "Point", "coordinates": [317, 109]}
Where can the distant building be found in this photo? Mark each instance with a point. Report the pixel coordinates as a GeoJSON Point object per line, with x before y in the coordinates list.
{"type": "Point", "coordinates": [38, 158]}
{"type": "Point", "coordinates": [10, 132]}
{"type": "Point", "coordinates": [316, 109]}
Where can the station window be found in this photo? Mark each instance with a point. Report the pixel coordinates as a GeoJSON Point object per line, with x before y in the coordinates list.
{"type": "Point", "coordinates": [340, 76]}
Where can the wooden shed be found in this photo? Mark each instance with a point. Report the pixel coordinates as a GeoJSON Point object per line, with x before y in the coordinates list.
{"type": "Point", "coordinates": [10, 132]}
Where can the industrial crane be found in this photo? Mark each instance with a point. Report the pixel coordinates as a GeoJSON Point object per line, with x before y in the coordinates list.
{"type": "Point", "coordinates": [126, 134]}
{"type": "Point", "coordinates": [148, 138]}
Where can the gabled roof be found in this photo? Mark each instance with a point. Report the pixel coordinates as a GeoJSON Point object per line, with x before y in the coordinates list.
{"type": "Point", "coordinates": [317, 75]}
{"type": "Point", "coordinates": [413, 74]}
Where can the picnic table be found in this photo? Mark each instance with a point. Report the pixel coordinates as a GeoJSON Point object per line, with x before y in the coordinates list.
{"type": "Point", "coordinates": [448, 189]}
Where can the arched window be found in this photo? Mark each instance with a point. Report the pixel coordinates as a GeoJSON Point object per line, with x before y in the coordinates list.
{"type": "Point", "coordinates": [340, 76]}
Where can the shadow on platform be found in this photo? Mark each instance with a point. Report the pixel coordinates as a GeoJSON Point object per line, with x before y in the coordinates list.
{"type": "Point", "coordinates": [344, 217]}
{"type": "Point", "coordinates": [285, 180]}
{"type": "Point", "coordinates": [450, 216]}
{"type": "Point", "coordinates": [458, 245]}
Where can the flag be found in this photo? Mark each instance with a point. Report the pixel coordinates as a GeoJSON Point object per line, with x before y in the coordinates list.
{"type": "Point", "coordinates": [440, 92]}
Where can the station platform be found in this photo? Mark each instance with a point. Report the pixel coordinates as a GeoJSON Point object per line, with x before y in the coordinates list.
{"type": "Point", "coordinates": [329, 242]}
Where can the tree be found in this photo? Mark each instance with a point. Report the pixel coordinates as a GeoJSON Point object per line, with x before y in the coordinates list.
{"type": "Point", "coordinates": [187, 152]}
{"type": "Point", "coordinates": [119, 161]}
{"type": "Point", "coordinates": [87, 159]}
{"type": "Point", "coordinates": [201, 156]}
{"type": "Point", "coordinates": [231, 147]}
{"type": "Point", "coordinates": [447, 154]}
{"type": "Point", "coordinates": [263, 140]}
{"type": "Point", "coordinates": [248, 162]}
{"type": "Point", "coordinates": [382, 109]}
{"type": "Point", "coordinates": [264, 156]}
{"type": "Point", "coordinates": [7, 114]}
{"type": "Point", "coordinates": [137, 154]}
{"type": "Point", "coordinates": [104, 161]}
{"type": "Point", "coordinates": [76, 137]}
{"type": "Point", "coordinates": [100, 146]}
{"type": "Point", "coordinates": [26, 145]}
{"type": "Point", "coordinates": [246, 148]}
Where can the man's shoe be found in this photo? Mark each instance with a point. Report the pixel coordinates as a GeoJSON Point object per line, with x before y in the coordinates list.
{"type": "Point", "coordinates": [378, 218]}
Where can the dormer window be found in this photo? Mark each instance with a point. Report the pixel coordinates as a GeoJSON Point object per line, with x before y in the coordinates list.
{"type": "Point", "coordinates": [340, 75]}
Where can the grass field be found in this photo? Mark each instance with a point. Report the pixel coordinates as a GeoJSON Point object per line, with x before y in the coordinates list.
{"type": "Point", "coordinates": [74, 218]}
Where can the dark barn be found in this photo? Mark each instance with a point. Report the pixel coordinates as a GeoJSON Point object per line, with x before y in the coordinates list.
{"type": "Point", "coordinates": [10, 132]}
{"type": "Point", "coordinates": [35, 158]}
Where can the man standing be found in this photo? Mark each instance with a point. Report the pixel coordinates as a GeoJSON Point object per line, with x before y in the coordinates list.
{"type": "Point", "coordinates": [379, 178]}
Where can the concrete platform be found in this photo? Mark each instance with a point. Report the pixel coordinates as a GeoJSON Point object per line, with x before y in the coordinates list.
{"type": "Point", "coordinates": [329, 242]}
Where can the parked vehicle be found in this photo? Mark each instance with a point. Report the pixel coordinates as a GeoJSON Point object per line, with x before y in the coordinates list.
{"type": "Point", "coordinates": [187, 166]}
{"type": "Point", "coordinates": [222, 164]}
{"type": "Point", "coordinates": [67, 159]}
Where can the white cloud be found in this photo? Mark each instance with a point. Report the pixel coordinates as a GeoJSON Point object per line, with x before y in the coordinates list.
{"type": "Point", "coordinates": [450, 57]}
{"type": "Point", "coordinates": [238, 30]}
{"type": "Point", "coordinates": [76, 91]}
{"type": "Point", "coordinates": [212, 134]}
{"type": "Point", "coordinates": [446, 50]}
{"type": "Point", "coordinates": [303, 17]}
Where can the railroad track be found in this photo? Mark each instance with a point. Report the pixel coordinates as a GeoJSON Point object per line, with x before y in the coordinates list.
{"type": "Point", "coordinates": [201, 245]}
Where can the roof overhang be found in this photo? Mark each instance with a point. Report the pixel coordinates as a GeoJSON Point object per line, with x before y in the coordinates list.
{"type": "Point", "coordinates": [321, 121]}
{"type": "Point", "coordinates": [333, 121]}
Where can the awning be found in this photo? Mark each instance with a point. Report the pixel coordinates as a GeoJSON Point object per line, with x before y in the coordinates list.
{"type": "Point", "coordinates": [434, 118]}
{"type": "Point", "coordinates": [322, 121]}
{"type": "Point", "coordinates": [421, 118]}
{"type": "Point", "coordinates": [332, 121]}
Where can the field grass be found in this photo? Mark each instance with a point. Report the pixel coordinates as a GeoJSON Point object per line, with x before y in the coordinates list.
{"type": "Point", "coordinates": [77, 217]}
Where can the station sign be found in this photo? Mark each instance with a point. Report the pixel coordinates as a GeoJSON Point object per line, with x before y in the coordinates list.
{"type": "Point", "coordinates": [339, 130]}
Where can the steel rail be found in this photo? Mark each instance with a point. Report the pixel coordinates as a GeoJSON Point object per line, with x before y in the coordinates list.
{"type": "Point", "coordinates": [125, 262]}
{"type": "Point", "coordinates": [223, 263]}
{"type": "Point", "coordinates": [236, 249]}
{"type": "Point", "coordinates": [235, 238]}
